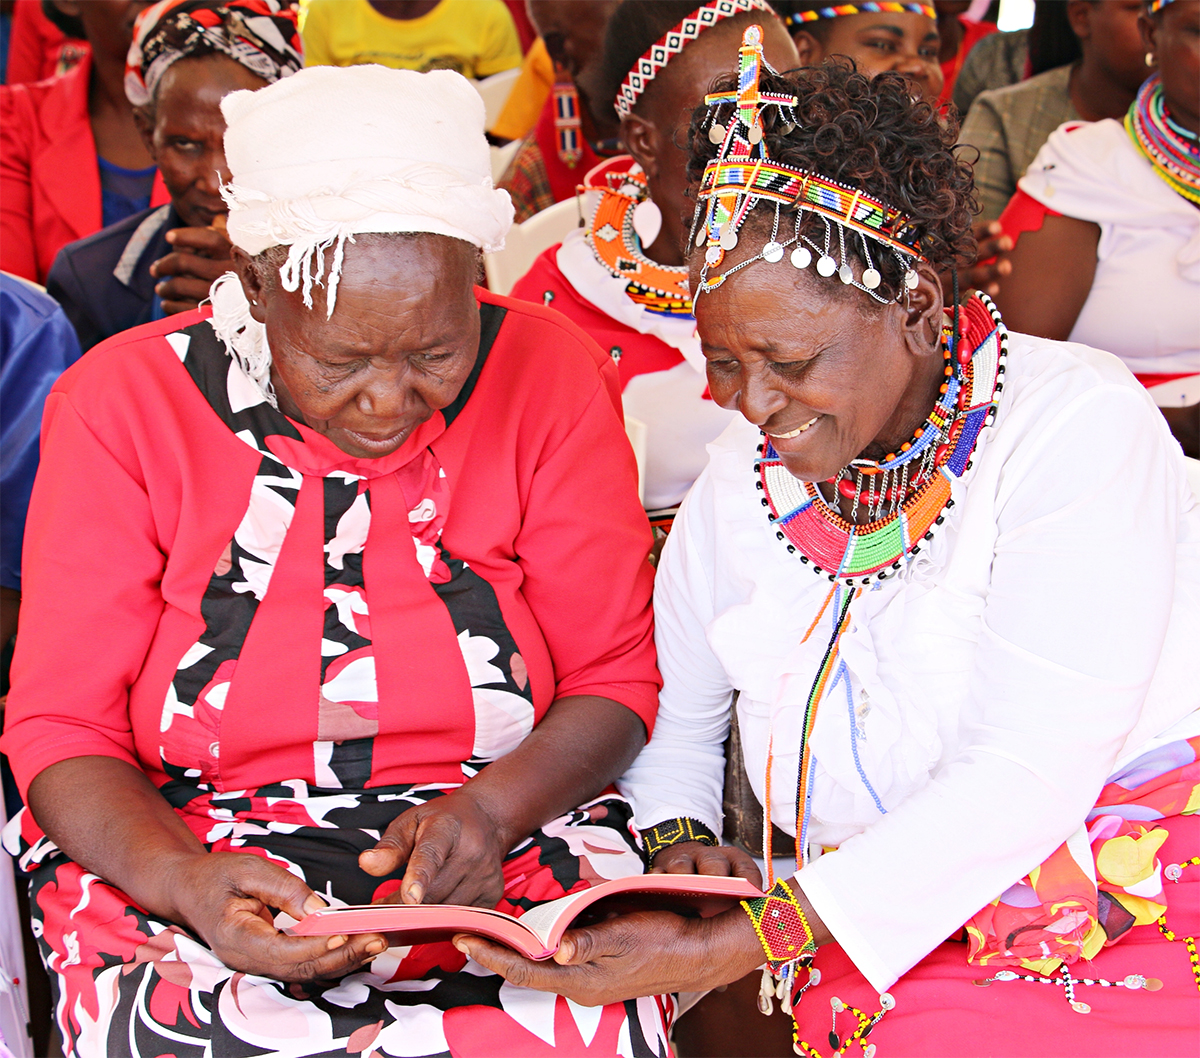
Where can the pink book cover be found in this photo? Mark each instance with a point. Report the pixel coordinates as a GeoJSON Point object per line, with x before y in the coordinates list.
{"type": "Point", "coordinates": [536, 934]}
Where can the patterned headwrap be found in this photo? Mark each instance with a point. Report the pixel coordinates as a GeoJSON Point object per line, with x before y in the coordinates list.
{"type": "Point", "coordinates": [259, 34]}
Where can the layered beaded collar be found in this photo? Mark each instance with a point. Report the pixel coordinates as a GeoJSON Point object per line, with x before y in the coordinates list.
{"type": "Point", "coordinates": [908, 492]}
{"type": "Point", "coordinates": [658, 288]}
{"type": "Point", "coordinates": [1172, 150]}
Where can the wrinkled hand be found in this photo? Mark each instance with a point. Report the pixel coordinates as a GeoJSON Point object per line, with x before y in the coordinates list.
{"type": "Point", "coordinates": [225, 897]}
{"type": "Point", "coordinates": [646, 953]}
{"type": "Point", "coordinates": [454, 850]}
{"type": "Point", "coordinates": [692, 857]}
{"type": "Point", "coordinates": [200, 256]}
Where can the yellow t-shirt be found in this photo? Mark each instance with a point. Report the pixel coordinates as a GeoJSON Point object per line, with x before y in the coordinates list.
{"type": "Point", "coordinates": [528, 96]}
{"type": "Point", "coordinates": [475, 37]}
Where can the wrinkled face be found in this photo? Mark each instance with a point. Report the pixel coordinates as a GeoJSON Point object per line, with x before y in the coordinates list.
{"type": "Point", "coordinates": [827, 377]}
{"type": "Point", "coordinates": [187, 137]}
{"type": "Point", "coordinates": [402, 340]}
{"type": "Point", "coordinates": [902, 42]}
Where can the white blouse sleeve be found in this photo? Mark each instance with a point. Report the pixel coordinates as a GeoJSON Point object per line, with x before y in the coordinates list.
{"type": "Point", "coordinates": [1087, 511]}
{"type": "Point", "coordinates": [681, 770]}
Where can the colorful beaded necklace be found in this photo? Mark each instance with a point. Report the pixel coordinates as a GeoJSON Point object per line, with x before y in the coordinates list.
{"type": "Point", "coordinates": [1172, 150]}
{"type": "Point", "coordinates": [657, 288]}
{"type": "Point", "coordinates": [906, 493]}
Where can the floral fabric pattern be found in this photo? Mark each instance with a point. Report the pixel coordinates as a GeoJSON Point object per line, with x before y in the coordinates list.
{"type": "Point", "coordinates": [1101, 882]}
{"type": "Point", "coordinates": [128, 983]}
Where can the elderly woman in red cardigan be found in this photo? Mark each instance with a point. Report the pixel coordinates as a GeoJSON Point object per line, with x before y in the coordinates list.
{"type": "Point", "coordinates": [336, 593]}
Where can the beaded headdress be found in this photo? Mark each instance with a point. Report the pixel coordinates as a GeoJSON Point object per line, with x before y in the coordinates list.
{"type": "Point", "coordinates": [1157, 5]}
{"type": "Point", "coordinates": [798, 18]}
{"type": "Point", "coordinates": [672, 43]}
{"type": "Point", "coordinates": [743, 174]}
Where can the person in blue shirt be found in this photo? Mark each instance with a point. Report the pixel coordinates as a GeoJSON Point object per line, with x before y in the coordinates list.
{"type": "Point", "coordinates": [37, 344]}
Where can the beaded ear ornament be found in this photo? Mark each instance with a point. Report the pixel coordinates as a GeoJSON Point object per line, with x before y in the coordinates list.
{"type": "Point", "coordinates": [743, 174]}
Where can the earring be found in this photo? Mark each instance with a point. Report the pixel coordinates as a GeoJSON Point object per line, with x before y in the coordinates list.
{"type": "Point", "coordinates": [647, 221]}
{"type": "Point", "coordinates": [1149, 58]}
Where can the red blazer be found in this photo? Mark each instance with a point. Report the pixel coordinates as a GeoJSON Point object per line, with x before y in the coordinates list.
{"type": "Point", "coordinates": [49, 176]}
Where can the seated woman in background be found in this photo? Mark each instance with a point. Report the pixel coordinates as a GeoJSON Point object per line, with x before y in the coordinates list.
{"type": "Point", "coordinates": [901, 37]}
{"type": "Point", "coordinates": [186, 57]}
{"type": "Point", "coordinates": [623, 278]}
{"type": "Point", "coordinates": [1009, 125]}
{"type": "Point", "coordinates": [337, 594]}
{"type": "Point", "coordinates": [71, 158]}
{"type": "Point", "coordinates": [962, 621]}
{"type": "Point", "coordinates": [567, 140]}
{"type": "Point", "coordinates": [1108, 223]}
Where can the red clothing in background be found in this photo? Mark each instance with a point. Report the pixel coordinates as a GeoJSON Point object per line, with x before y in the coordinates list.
{"type": "Point", "coordinates": [143, 491]}
{"type": "Point", "coordinates": [37, 48]}
{"type": "Point", "coordinates": [49, 175]}
{"type": "Point", "coordinates": [973, 33]}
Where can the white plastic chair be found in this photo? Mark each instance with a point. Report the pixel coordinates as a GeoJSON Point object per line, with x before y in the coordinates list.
{"type": "Point", "coordinates": [636, 431]}
{"type": "Point", "coordinates": [526, 241]}
{"type": "Point", "coordinates": [502, 157]}
{"type": "Point", "coordinates": [495, 91]}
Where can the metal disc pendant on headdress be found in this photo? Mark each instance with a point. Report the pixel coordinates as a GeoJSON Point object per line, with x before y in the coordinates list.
{"type": "Point", "coordinates": [716, 132]}
{"type": "Point", "coordinates": [772, 252]}
{"type": "Point", "coordinates": [871, 278]}
{"type": "Point", "coordinates": [801, 257]}
{"type": "Point", "coordinates": [755, 134]}
{"type": "Point", "coordinates": [826, 265]}
{"type": "Point", "coordinates": [911, 279]}
{"type": "Point", "coordinates": [701, 236]}
{"type": "Point", "coordinates": [729, 237]}
{"type": "Point", "coordinates": [713, 255]}
{"type": "Point", "coordinates": [846, 274]}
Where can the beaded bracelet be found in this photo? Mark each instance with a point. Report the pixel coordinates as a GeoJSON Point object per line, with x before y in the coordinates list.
{"type": "Point", "coordinates": [781, 927]}
{"type": "Point", "coordinates": [1173, 872]}
{"type": "Point", "coordinates": [674, 832]}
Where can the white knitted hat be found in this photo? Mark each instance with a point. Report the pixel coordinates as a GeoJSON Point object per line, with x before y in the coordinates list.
{"type": "Point", "coordinates": [334, 152]}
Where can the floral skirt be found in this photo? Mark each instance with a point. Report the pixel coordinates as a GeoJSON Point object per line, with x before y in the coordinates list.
{"type": "Point", "coordinates": [126, 983]}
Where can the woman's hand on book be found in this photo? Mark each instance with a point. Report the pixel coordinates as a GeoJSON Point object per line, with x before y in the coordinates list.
{"type": "Point", "coordinates": [694, 857]}
{"type": "Point", "coordinates": [453, 849]}
{"type": "Point", "coordinates": [641, 954]}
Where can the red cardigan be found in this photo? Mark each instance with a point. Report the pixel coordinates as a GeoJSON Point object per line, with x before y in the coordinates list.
{"type": "Point", "coordinates": [49, 176]}
{"type": "Point", "coordinates": [143, 484]}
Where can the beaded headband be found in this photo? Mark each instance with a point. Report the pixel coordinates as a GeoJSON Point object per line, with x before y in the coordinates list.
{"type": "Point", "coordinates": [837, 10]}
{"type": "Point", "coordinates": [742, 175]}
{"type": "Point", "coordinates": [673, 42]}
{"type": "Point", "coordinates": [1157, 5]}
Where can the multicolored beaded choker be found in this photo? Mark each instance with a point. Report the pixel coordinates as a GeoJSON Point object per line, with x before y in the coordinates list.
{"type": "Point", "coordinates": [657, 288]}
{"type": "Point", "coordinates": [907, 493]}
{"type": "Point", "coordinates": [1172, 150]}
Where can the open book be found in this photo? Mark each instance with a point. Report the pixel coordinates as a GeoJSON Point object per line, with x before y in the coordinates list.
{"type": "Point", "coordinates": [537, 932]}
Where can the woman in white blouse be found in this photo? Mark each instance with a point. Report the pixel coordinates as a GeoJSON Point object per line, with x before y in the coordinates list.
{"type": "Point", "coordinates": [954, 608]}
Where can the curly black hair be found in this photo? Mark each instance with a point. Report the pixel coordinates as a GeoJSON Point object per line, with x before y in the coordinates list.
{"type": "Point", "coordinates": [869, 133]}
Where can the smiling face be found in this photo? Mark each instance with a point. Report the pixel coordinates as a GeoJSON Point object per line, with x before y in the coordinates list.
{"type": "Point", "coordinates": [185, 132]}
{"type": "Point", "coordinates": [401, 342]}
{"type": "Point", "coordinates": [827, 374]}
{"type": "Point", "coordinates": [903, 42]}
